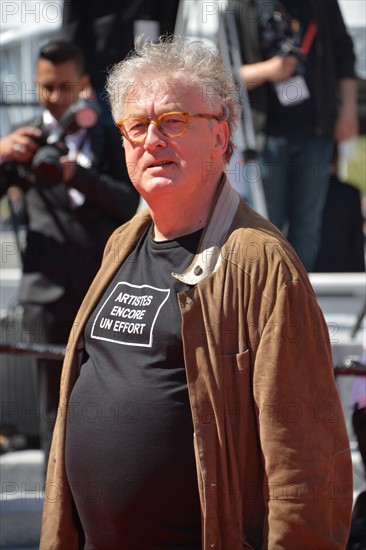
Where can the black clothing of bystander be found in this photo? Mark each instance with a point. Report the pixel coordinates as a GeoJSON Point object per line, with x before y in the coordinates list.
{"type": "Point", "coordinates": [342, 246]}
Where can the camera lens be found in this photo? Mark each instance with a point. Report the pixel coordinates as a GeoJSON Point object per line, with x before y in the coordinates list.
{"type": "Point", "coordinates": [46, 165]}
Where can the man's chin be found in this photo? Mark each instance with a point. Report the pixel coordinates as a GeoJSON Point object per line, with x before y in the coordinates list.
{"type": "Point", "coordinates": [57, 114]}
{"type": "Point", "coordinates": [158, 183]}
{"type": "Point", "coordinates": [158, 186]}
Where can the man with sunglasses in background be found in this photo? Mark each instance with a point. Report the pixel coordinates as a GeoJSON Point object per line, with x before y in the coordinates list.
{"type": "Point", "coordinates": [198, 405]}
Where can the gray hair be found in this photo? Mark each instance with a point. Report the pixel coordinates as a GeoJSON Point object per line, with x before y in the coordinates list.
{"type": "Point", "coordinates": [176, 60]}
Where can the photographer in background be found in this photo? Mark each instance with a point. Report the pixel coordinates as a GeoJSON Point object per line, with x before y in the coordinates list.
{"type": "Point", "coordinates": [69, 220]}
{"type": "Point", "coordinates": [299, 70]}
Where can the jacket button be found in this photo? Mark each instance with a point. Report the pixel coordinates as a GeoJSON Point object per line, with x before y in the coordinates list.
{"type": "Point", "coordinates": [198, 270]}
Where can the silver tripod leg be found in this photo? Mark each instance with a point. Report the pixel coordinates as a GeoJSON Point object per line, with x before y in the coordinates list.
{"type": "Point", "coordinates": [246, 170]}
{"type": "Point", "coordinates": [215, 24]}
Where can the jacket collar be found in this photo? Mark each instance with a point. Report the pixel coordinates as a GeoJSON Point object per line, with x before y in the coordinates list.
{"type": "Point", "coordinates": [205, 262]}
{"type": "Point", "coordinates": [208, 256]}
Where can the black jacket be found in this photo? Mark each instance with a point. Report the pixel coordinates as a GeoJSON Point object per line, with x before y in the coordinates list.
{"type": "Point", "coordinates": [105, 30]}
{"type": "Point", "coordinates": [343, 243]}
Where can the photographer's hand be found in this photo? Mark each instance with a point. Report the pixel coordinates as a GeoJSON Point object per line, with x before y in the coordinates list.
{"type": "Point", "coordinates": [20, 145]}
{"type": "Point", "coordinates": [346, 126]}
{"type": "Point", "coordinates": [276, 69]}
{"type": "Point", "coordinates": [68, 169]}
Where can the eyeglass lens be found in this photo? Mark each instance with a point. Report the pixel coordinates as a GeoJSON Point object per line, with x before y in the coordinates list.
{"type": "Point", "coordinates": [170, 124]}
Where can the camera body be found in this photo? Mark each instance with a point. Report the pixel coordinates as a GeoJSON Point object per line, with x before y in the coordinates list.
{"type": "Point", "coordinates": [277, 36]}
{"type": "Point", "coordinates": [46, 167]}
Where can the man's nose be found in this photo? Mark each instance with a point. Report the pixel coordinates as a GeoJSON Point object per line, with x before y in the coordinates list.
{"type": "Point", "coordinates": [154, 137]}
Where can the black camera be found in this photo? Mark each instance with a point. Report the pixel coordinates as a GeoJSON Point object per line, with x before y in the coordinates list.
{"type": "Point", "coordinates": [46, 166]}
{"type": "Point", "coordinates": [277, 37]}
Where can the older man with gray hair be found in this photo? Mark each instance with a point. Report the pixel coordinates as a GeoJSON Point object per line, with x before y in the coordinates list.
{"type": "Point", "coordinates": [199, 408]}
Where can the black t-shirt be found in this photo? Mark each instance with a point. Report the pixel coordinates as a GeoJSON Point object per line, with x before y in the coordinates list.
{"type": "Point", "coordinates": [129, 439]}
{"type": "Point", "coordinates": [295, 121]}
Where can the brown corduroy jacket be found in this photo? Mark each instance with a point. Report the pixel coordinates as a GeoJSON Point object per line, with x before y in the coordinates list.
{"type": "Point", "coordinates": [272, 452]}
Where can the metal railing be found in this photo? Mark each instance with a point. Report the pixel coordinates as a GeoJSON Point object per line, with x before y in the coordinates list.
{"type": "Point", "coordinates": [39, 351]}
{"type": "Point", "coordinates": [56, 352]}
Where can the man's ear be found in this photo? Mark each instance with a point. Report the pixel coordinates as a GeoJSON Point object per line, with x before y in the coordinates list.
{"type": "Point", "coordinates": [87, 90]}
{"type": "Point", "coordinates": [221, 139]}
{"type": "Point", "coordinates": [36, 84]}
{"type": "Point", "coordinates": [84, 81]}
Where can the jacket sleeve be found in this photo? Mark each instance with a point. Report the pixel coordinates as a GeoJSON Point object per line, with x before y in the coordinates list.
{"type": "Point", "coordinates": [341, 42]}
{"type": "Point", "coordinates": [106, 185]}
{"type": "Point", "coordinates": [308, 471]}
